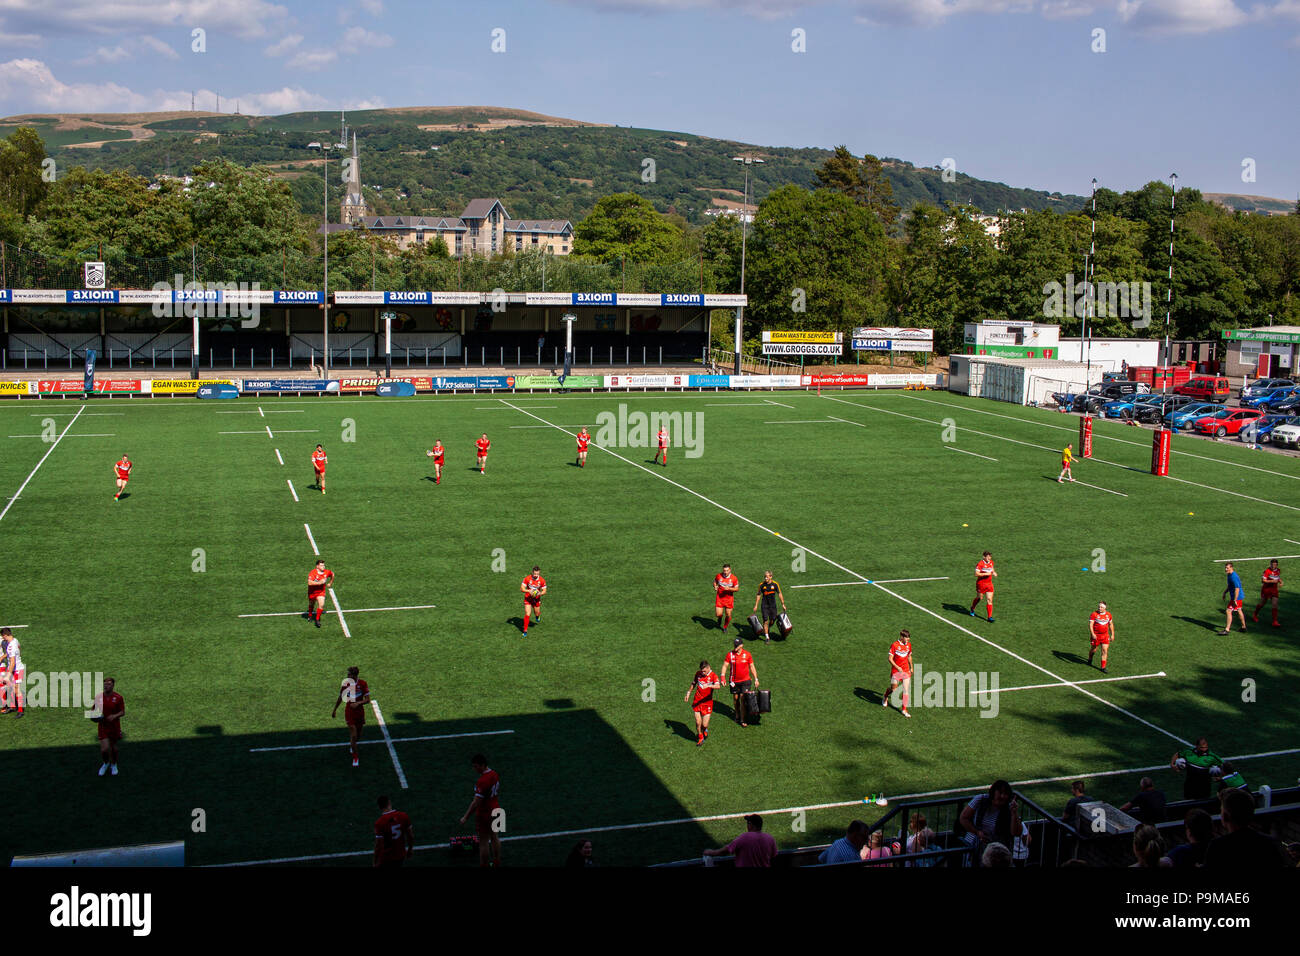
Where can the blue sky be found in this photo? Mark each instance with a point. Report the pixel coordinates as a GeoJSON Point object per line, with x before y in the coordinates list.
{"type": "Point", "coordinates": [1011, 90]}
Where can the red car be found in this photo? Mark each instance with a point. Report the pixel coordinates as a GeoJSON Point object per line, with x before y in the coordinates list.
{"type": "Point", "coordinates": [1227, 422]}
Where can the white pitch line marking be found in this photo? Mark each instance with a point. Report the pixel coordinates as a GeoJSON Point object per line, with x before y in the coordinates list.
{"type": "Point", "coordinates": [290, 484]}
{"type": "Point", "coordinates": [782, 404]}
{"type": "Point", "coordinates": [733, 404]}
{"type": "Point", "coordinates": [239, 433]}
{"type": "Point", "coordinates": [65, 414]}
{"type": "Point", "coordinates": [805, 421]}
{"type": "Point", "coordinates": [846, 421]}
{"type": "Point", "coordinates": [1291, 541]}
{"type": "Point", "coordinates": [268, 433]}
{"type": "Point", "coordinates": [851, 573]}
{"type": "Point", "coordinates": [297, 431]}
{"type": "Point", "coordinates": [343, 621]}
{"type": "Point", "coordinates": [285, 411]}
{"type": "Point", "coordinates": [1076, 481]}
{"type": "Point", "coordinates": [15, 625]}
{"type": "Point", "coordinates": [47, 454]}
{"type": "Point", "coordinates": [352, 610]}
{"type": "Point", "coordinates": [497, 408]}
{"type": "Point", "coordinates": [277, 456]}
{"type": "Point", "coordinates": [236, 412]}
{"type": "Point", "coordinates": [1094, 680]}
{"type": "Point", "coordinates": [736, 816]}
{"type": "Point", "coordinates": [392, 751]}
{"type": "Point", "coordinates": [964, 452]}
{"type": "Point", "coordinates": [1269, 558]}
{"type": "Point", "coordinates": [88, 435]}
{"type": "Point", "coordinates": [396, 740]}
{"type": "Point", "coordinates": [314, 550]}
{"type": "Point", "coordinates": [260, 412]}
{"type": "Point", "coordinates": [845, 584]}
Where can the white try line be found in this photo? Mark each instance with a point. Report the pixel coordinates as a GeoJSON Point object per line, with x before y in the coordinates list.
{"type": "Point", "coordinates": [845, 584]}
{"type": "Point", "coordinates": [392, 751]}
{"type": "Point", "coordinates": [290, 484]}
{"type": "Point", "coordinates": [47, 454]}
{"type": "Point", "coordinates": [1278, 557]}
{"type": "Point", "coordinates": [1095, 680]}
{"type": "Point", "coordinates": [718, 817]}
{"type": "Point", "coordinates": [277, 456]}
{"type": "Point", "coordinates": [351, 610]}
{"type": "Point", "coordinates": [964, 452]}
{"type": "Point", "coordinates": [1076, 481]}
{"type": "Point", "coordinates": [782, 404]}
{"type": "Point", "coordinates": [363, 743]}
{"type": "Point", "coordinates": [1029, 444]}
{"type": "Point", "coordinates": [854, 574]}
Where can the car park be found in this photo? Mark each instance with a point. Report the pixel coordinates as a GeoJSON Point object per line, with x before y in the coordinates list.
{"type": "Point", "coordinates": [1262, 430]}
{"type": "Point", "coordinates": [1185, 416]}
{"type": "Point", "coordinates": [1263, 384]}
{"type": "Point", "coordinates": [1278, 397]}
{"type": "Point", "coordinates": [1155, 411]}
{"type": "Point", "coordinates": [1263, 397]}
{"type": "Point", "coordinates": [1288, 436]}
{"type": "Point", "coordinates": [1227, 422]}
{"type": "Point", "coordinates": [1206, 388]}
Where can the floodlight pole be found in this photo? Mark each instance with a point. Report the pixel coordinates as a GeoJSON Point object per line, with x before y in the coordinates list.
{"type": "Point", "coordinates": [568, 319]}
{"type": "Point", "coordinates": [325, 351]}
{"type": "Point", "coordinates": [1089, 267]}
{"type": "Point", "coordinates": [1169, 291]}
{"type": "Point", "coordinates": [746, 161]}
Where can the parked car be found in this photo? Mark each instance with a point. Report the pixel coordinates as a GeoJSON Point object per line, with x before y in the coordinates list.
{"type": "Point", "coordinates": [1286, 406]}
{"type": "Point", "coordinates": [1278, 396]}
{"type": "Point", "coordinates": [1262, 430]}
{"type": "Point", "coordinates": [1156, 410]}
{"type": "Point", "coordinates": [1206, 388]}
{"type": "Point", "coordinates": [1288, 436]}
{"type": "Point", "coordinates": [1127, 407]}
{"type": "Point", "coordinates": [1262, 397]}
{"type": "Point", "coordinates": [1227, 422]}
{"type": "Point", "coordinates": [1188, 414]}
{"type": "Point", "coordinates": [1263, 384]}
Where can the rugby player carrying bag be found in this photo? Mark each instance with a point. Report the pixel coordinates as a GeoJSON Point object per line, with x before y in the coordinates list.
{"type": "Point", "coordinates": [783, 624]}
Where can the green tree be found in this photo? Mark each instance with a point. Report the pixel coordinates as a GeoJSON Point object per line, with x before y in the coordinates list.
{"type": "Point", "coordinates": [22, 185]}
{"type": "Point", "coordinates": [626, 225]}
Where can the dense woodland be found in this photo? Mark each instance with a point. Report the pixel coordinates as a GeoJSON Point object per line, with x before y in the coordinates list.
{"type": "Point", "coordinates": [837, 249]}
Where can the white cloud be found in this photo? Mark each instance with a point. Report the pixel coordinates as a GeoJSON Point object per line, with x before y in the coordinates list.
{"type": "Point", "coordinates": [359, 36]}
{"type": "Point", "coordinates": [159, 47]}
{"type": "Point", "coordinates": [373, 7]}
{"type": "Point", "coordinates": [313, 60]}
{"type": "Point", "coordinates": [242, 18]}
{"type": "Point", "coordinates": [1182, 16]}
{"type": "Point", "coordinates": [290, 42]}
{"type": "Point", "coordinates": [1066, 9]}
{"type": "Point", "coordinates": [141, 48]}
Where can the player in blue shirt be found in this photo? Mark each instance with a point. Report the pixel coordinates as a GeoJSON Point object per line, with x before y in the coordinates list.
{"type": "Point", "coordinates": [1235, 596]}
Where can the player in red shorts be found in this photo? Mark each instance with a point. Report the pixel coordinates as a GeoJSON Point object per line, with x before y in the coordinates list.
{"type": "Point", "coordinates": [319, 579]}
{"type": "Point", "coordinates": [737, 671]}
{"type": "Point", "coordinates": [486, 809]}
{"type": "Point", "coordinates": [900, 669]}
{"type": "Point", "coordinates": [122, 469]}
{"type": "Point", "coordinates": [663, 447]}
{"type": "Point", "coordinates": [984, 575]}
{"type": "Point", "coordinates": [700, 697]}
{"type": "Point", "coordinates": [354, 695]}
{"type": "Point", "coordinates": [482, 445]}
{"type": "Point", "coordinates": [394, 839]}
{"type": "Point", "coordinates": [110, 707]}
{"type": "Point", "coordinates": [725, 585]}
{"type": "Point", "coordinates": [533, 588]}
{"type": "Point", "coordinates": [318, 461]}
{"type": "Point", "coordinates": [583, 441]}
{"type": "Point", "coordinates": [1270, 584]}
{"type": "Point", "coordinates": [14, 671]}
{"type": "Point", "coordinates": [1101, 632]}
{"type": "Point", "coordinates": [436, 453]}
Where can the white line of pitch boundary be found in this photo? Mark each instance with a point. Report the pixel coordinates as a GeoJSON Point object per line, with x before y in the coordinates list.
{"type": "Point", "coordinates": [291, 491]}
{"type": "Point", "coordinates": [893, 594]}
{"type": "Point", "coordinates": [351, 610]}
{"type": "Point", "coordinates": [1095, 680]}
{"type": "Point", "coordinates": [839, 805]}
{"type": "Point", "coordinates": [964, 452]}
{"type": "Point", "coordinates": [363, 743]}
{"type": "Point", "coordinates": [392, 751]}
{"type": "Point", "coordinates": [1270, 558]}
{"type": "Point", "coordinates": [845, 584]}
{"type": "Point", "coordinates": [1029, 444]}
{"type": "Point", "coordinates": [53, 445]}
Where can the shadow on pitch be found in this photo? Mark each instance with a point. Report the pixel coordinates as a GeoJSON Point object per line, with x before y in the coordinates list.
{"type": "Point", "coordinates": [707, 622]}
{"type": "Point", "coordinates": [1208, 625]}
{"type": "Point", "coordinates": [962, 609]}
{"type": "Point", "coordinates": [1070, 658]}
{"type": "Point", "coordinates": [679, 729]}
{"type": "Point", "coordinates": [123, 496]}
{"type": "Point", "coordinates": [870, 696]}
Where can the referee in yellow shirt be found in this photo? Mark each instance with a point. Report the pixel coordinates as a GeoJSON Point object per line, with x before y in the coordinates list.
{"type": "Point", "coordinates": [1067, 457]}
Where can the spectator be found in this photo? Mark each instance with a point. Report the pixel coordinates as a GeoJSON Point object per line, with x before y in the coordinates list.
{"type": "Point", "coordinates": [1199, 764]}
{"type": "Point", "coordinates": [1149, 848]}
{"type": "Point", "coordinates": [1148, 805]}
{"type": "Point", "coordinates": [1071, 814]}
{"type": "Point", "coordinates": [580, 855]}
{"type": "Point", "coordinates": [1198, 826]}
{"type": "Point", "coordinates": [991, 816]}
{"type": "Point", "coordinates": [876, 849]}
{"type": "Point", "coordinates": [751, 848]}
{"type": "Point", "coordinates": [1232, 779]}
{"type": "Point", "coordinates": [996, 855]}
{"type": "Point", "coordinates": [1020, 846]}
{"type": "Point", "coordinates": [1242, 848]}
{"type": "Point", "coordinates": [848, 848]}
{"type": "Point", "coordinates": [1123, 368]}
{"type": "Point", "coordinates": [921, 839]}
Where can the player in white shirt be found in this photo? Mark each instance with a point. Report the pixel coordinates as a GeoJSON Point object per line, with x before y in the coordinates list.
{"type": "Point", "coordinates": [13, 697]}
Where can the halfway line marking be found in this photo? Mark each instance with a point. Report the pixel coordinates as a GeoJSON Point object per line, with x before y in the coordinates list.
{"type": "Point", "coordinates": [354, 610]}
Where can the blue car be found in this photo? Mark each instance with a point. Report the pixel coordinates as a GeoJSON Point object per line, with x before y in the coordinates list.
{"type": "Point", "coordinates": [1188, 414]}
{"type": "Point", "coordinates": [1259, 431]}
{"type": "Point", "coordinates": [1127, 407]}
{"type": "Point", "coordinates": [1264, 384]}
{"type": "Point", "coordinates": [1266, 396]}
{"type": "Point", "coordinates": [1278, 398]}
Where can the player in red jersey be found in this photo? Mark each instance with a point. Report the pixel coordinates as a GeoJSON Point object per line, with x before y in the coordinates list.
{"type": "Point", "coordinates": [583, 441]}
{"type": "Point", "coordinates": [482, 445]}
{"type": "Point", "coordinates": [703, 684]}
{"type": "Point", "coordinates": [122, 468]}
{"type": "Point", "coordinates": [533, 588]}
{"type": "Point", "coordinates": [737, 669]}
{"type": "Point", "coordinates": [437, 453]}
{"type": "Point", "coordinates": [900, 669]}
{"type": "Point", "coordinates": [14, 671]}
{"type": "Point", "coordinates": [319, 579]}
{"type": "Point", "coordinates": [1270, 584]}
{"type": "Point", "coordinates": [663, 447]}
{"type": "Point", "coordinates": [318, 461]}
{"type": "Point", "coordinates": [487, 810]}
{"type": "Point", "coordinates": [984, 575]}
{"type": "Point", "coordinates": [725, 586]}
{"type": "Point", "coordinates": [1101, 632]}
{"type": "Point", "coordinates": [394, 839]}
{"type": "Point", "coordinates": [110, 707]}
{"type": "Point", "coordinates": [354, 694]}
